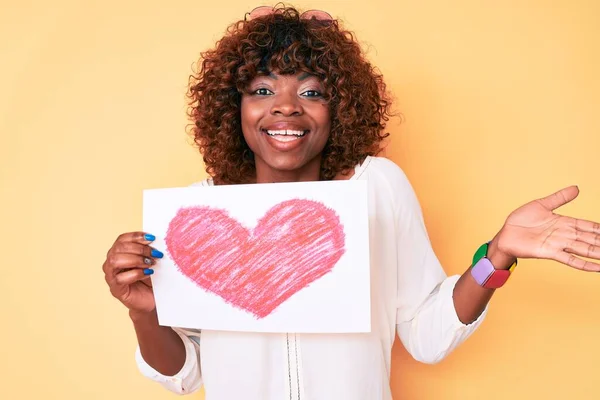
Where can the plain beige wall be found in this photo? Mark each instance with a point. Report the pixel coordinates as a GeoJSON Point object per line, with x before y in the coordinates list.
{"type": "Point", "coordinates": [501, 106]}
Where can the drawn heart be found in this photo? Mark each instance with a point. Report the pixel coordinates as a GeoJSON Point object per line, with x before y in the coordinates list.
{"type": "Point", "coordinates": [295, 243]}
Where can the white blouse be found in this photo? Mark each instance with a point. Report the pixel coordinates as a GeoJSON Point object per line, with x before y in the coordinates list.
{"type": "Point", "coordinates": [410, 295]}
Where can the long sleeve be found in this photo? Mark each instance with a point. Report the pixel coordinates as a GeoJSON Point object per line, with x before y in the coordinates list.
{"type": "Point", "coordinates": [427, 322]}
{"type": "Point", "coordinates": [188, 379]}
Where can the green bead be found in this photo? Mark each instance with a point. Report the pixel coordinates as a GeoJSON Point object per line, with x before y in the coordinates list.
{"type": "Point", "coordinates": [480, 253]}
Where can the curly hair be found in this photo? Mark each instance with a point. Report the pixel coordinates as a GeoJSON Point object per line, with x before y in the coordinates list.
{"type": "Point", "coordinates": [285, 43]}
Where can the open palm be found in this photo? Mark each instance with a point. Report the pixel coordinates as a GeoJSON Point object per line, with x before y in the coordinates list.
{"type": "Point", "coordinates": [536, 231]}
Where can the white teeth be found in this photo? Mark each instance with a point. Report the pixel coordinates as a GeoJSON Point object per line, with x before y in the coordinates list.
{"type": "Point", "coordinates": [285, 138]}
{"type": "Point", "coordinates": [285, 132]}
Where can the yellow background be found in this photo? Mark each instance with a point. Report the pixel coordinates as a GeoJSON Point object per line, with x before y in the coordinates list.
{"type": "Point", "coordinates": [501, 106]}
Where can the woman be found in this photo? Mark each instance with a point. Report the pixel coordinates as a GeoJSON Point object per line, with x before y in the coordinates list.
{"type": "Point", "coordinates": [288, 97]}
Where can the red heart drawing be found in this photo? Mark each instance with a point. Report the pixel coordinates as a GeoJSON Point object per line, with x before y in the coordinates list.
{"type": "Point", "coordinates": [295, 243]}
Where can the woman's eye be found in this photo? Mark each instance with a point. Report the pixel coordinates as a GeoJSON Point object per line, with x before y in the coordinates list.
{"type": "Point", "coordinates": [312, 93]}
{"type": "Point", "coordinates": [263, 92]}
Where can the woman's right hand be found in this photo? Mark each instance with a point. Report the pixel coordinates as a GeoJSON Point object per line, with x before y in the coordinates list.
{"type": "Point", "coordinates": [127, 271]}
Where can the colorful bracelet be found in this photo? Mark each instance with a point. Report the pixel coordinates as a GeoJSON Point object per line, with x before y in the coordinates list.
{"type": "Point", "coordinates": [482, 252]}
{"type": "Point", "coordinates": [484, 272]}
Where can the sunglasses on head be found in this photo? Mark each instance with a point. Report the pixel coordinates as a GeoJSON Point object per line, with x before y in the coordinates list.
{"type": "Point", "coordinates": [310, 14]}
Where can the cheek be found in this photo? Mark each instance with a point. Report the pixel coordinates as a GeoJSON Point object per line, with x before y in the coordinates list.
{"type": "Point", "coordinates": [251, 108]}
{"type": "Point", "coordinates": [324, 118]}
{"type": "Point", "coordinates": [250, 115]}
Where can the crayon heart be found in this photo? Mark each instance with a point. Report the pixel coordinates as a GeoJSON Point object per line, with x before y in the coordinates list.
{"type": "Point", "coordinates": [295, 243]}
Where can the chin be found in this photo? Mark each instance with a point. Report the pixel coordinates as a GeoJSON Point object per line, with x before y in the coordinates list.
{"type": "Point", "coordinates": [286, 163]}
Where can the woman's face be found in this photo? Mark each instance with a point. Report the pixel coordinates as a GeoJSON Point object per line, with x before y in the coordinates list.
{"type": "Point", "coordinates": [286, 123]}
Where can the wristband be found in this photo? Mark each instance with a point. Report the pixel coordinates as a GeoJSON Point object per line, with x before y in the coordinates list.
{"type": "Point", "coordinates": [484, 272]}
{"type": "Point", "coordinates": [482, 252]}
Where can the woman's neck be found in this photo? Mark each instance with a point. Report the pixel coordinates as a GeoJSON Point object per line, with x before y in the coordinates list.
{"type": "Point", "coordinates": [307, 173]}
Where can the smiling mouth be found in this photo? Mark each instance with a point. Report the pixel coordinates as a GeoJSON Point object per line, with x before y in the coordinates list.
{"type": "Point", "coordinates": [285, 135]}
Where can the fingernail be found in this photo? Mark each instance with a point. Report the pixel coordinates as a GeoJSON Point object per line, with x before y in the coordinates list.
{"type": "Point", "coordinates": [147, 261]}
{"type": "Point", "coordinates": [148, 271]}
{"type": "Point", "coordinates": [149, 237]}
{"type": "Point", "coordinates": [157, 254]}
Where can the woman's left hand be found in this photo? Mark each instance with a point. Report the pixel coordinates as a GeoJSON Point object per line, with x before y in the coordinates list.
{"type": "Point", "coordinates": [535, 231]}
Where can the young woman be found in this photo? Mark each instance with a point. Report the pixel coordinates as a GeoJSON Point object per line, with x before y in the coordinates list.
{"type": "Point", "coordinates": [289, 97]}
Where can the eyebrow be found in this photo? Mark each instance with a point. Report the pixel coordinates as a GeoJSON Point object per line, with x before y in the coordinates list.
{"type": "Point", "coordinates": [302, 77]}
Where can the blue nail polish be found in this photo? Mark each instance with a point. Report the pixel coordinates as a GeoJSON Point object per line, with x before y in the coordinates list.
{"type": "Point", "coordinates": [149, 237]}
{"type": "Point", "coordinates": [157, 254]}
{"type": "Point", "coordinates": [148, 271]}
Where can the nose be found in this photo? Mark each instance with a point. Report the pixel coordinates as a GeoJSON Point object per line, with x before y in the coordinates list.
{"type": "Point", "coordinates": [286, 104]}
